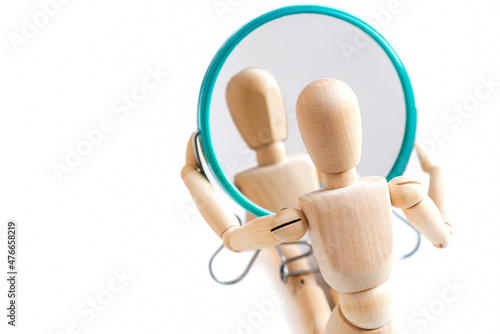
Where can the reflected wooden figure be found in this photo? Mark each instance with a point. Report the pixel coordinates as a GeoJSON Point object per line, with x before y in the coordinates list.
{"type": "Point", "coordinates": [256, 104]}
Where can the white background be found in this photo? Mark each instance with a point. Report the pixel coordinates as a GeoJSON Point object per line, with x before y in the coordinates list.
{"type": "Point", "coordinates": [124, 206]}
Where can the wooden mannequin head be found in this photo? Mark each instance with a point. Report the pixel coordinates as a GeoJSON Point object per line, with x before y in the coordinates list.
{"type": "Point", "coordinates": [257, 108]}
{"type": "Point", "coordinates": [330, 125]}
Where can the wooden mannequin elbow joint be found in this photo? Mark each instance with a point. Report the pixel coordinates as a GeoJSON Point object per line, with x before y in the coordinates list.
{"type": "Point", "coordinates": [226, 238]}
{"type": "Point", "coordinates": [289, 225]}
{"type": "Point", "coordinates": [405, 194]}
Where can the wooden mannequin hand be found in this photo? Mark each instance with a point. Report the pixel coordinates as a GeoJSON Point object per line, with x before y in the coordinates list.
{"type": "Point", "coordinates": [436, 183]}
{"type": "Point", "coordinates": [425, 161]}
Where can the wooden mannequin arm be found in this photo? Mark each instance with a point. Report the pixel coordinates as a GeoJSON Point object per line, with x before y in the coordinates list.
{"type": "Point", "coordinates": [286, 226]}
{"type": "Point", "coordinates": [420, 210]}
{"type": "Point", "coordinates": [217, 215]}
{"type": "Point", "coordinates": [436, 184]}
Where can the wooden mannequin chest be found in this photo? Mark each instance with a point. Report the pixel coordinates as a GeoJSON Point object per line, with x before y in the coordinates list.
{"type": "Point", "coordinates": [351, 232]}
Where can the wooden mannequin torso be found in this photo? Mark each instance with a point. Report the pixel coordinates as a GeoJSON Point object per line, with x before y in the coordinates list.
{"type": "Point", "coordinates": [351, 232]}
{"type": "Point", "coordinates": [279, 185]}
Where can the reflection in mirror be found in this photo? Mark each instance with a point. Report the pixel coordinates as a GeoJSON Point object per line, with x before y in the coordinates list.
{"type": "Point", "coordinates": [262, 78]}
{"type": "Point", "coordinates": [257, 109]}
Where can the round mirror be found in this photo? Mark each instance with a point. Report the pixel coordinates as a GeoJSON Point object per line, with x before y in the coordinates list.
{"type": "Point", "coordinates": [295, 46]}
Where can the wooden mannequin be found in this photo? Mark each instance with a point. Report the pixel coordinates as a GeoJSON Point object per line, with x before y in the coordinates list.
{"type": "Point", "coordinates": [349, 221]}
{"type": "Point", "coordinates": [257, 108]}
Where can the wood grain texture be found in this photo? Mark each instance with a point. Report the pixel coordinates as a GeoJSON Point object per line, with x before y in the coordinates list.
{"type": "Point", "coordinates": [351, 232]}
{"type": "Point", "coordinates": [330, 125]}
{"type": "Point", "coordinates": [339, 180]}
{"type": "Point", "coordinates": [368, 309]}
{"type": "Point", "coordinates": [427, 219]}
{"type": "Point", "coordinates": [286, 226]}
{"type": "Point", "coordinates": [278, 186]}
{"type": "Point", "coordinates": [257, 107]}
{"type": "Point", "coordinates": [338, 324]}
{"type": "Point", "coordinates": [420, 210]}
{"type": "Point", "coordinates": [271, 154]}
{"type": "Point", "coordinates": [216, 214]}
{"type": "Point", "coordinates": [405, 192]}
{"type": "Point", "coordinates": [437, 189]}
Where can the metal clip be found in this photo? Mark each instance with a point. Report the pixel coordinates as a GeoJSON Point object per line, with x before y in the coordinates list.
{"type": "Point", "coordinates": [197, 153]}
{"type": "Point", "coordinates": [284, 272]}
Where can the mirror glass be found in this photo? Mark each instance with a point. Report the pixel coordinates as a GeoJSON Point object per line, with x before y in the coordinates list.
{"type": "Point", "coordinates": [297, 46]}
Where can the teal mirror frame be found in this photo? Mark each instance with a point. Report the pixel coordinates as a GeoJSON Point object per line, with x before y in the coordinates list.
{"type": "Point", "coordinates": [220, 58]}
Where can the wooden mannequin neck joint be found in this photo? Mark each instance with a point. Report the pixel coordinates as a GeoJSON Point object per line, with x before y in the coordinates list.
{"type": "Point", "coordinates": [271, 154]}
{"type": "Point", "coordinates": [339, 180]}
